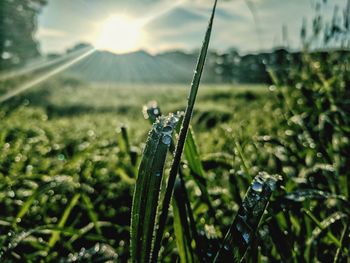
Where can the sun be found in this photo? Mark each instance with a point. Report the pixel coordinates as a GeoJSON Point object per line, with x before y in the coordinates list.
{"type": "Point", "coordinates": [119, 34]}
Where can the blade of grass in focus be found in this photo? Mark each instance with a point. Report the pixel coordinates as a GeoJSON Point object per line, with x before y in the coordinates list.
{"type": "Point", "coordinates": [182, 138]}
{"type": "Point", "coordinates": [182, 208]}
{"type": "Point", "coordinates": [147, 189]}
{"type": "Point", "coordinates": [151, 111]}
{"type": "Point", "coordinates": [241, 233]}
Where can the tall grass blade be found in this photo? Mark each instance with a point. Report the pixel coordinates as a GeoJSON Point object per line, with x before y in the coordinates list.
{"type": "Point", "coordinates": [241, 233]}
{"type": "Point", "coordinates": [147, 189]}
{"type": "Point", "coordinates": [182, 138]}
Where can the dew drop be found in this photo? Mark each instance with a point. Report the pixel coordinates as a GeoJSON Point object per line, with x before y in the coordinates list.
{"type": "Point", "coordinates": [167, 129]}
{"type": "Point", "coordinates": [97, 247]}
{"type": "Point", "coordinates": [166, 139]}
{"type": "Point", "coordinates": [257, 186]}
{"type": "Point", "coordinates": [226, 247]}
{"type": "Point", "coordinates": [246, 237]}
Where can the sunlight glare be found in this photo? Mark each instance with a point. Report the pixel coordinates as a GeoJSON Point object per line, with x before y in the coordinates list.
{"type": "Point", "coordinates": [119, 34]}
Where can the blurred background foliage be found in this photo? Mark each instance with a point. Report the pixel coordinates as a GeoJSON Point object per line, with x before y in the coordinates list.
{"type": "Point", "coordinates": [18, 22]}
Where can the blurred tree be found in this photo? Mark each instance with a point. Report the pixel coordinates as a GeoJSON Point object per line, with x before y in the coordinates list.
{"type": "Point", "coordinates": [18, 22]}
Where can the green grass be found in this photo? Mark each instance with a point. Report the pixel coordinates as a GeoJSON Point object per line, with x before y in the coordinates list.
{"type": "Point", "coordinates": [48, 158]}
{"type": "Point", "coordinates": [89, 146]}
{"type": "Point", "coordinates": [42, 140]}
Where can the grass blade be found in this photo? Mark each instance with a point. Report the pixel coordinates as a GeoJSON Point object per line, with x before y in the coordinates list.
{"type": "Point", "coordinates": [244, 226]}
{"type": "Point", "coordinates": [191, 153]}
{"type": "Point", "coordinates": [343, 240]}
{"type": "Point", "coordinates": [181, 226]}
{"type": "Point", "coordinates": [147, 189]}
{"type": "Point", "coordinates": [91, 212]}
{"type": "Point", "coordinates": [323, 226]}
{"type": "Point", "coordinates": [98, 253]}
{"type": "Point", "coordinates": [182, 137]}
{"type": "Point", "coordinates": [56, 235]}
{"type": "Point", "coordinates": [194, 162]}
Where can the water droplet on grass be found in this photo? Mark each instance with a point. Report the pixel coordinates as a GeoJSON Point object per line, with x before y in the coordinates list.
{"type": "Point", "coordinates": [166, 139]}
{"type": "Point", "coordinates": [167, 129]}
{"type": "Point", "coordinates": [246, 237]}
{"type": "Point", "coordinates": [257, 186]}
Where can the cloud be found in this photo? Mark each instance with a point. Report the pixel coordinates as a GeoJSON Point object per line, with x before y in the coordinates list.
{"type": "Point", "coordinates": [182, 23]}
{"type": "Point", "coordinates": [50, 32]}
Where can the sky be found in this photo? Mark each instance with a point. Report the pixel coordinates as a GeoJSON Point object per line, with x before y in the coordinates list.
{"type": "Point", "coordinates": [174, 24]}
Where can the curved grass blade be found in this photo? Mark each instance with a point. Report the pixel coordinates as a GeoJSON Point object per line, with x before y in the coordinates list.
{"type": "Point", "coordinates": [147, 189]}
{"type": "Point", "coordinates": [98, 253]}
{"type": "Point", "coordinates": [241, 233]}
{"type": "Point", "coordinates": [182, 138]}
{"type": "Point", "coordinates": [306, 194]}
{"type": "Point", "coordinates": [181, 226]}
{"type": "Point", "coordinates": [300, 196]}
{"type": "Point", "coordinates": [324, 226]}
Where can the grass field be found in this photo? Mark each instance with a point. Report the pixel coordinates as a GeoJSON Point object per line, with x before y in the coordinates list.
{"type": "Point", "coordinates": [70, 152]}
{"type": "Point", "coordinates": [66, 133]}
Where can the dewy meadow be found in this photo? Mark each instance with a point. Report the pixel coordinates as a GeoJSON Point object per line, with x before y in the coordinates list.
{"type": "Point", "coordinates": [136, 146]}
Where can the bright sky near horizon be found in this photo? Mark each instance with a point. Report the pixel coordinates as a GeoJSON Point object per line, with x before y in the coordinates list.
{"type": "Point", "coordinates": [123, 26]}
